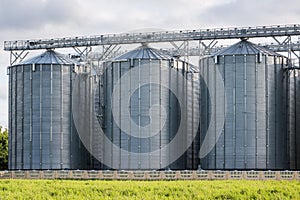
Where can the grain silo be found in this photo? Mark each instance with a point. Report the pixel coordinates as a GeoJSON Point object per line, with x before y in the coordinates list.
{"type": "Point", "coordinates": [41, 131]}
{"type": "Point", "coordinates": [85, 107]}
{"type": "Point", "coordinates": [242, 109]}
{"type": "Point", "coordinates": [150, 110]}
{"type": "Point", "coordinates": [292, 99]}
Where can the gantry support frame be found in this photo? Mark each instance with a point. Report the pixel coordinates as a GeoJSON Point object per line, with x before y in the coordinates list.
{"type": "Point", "coordinates": [111, 43]}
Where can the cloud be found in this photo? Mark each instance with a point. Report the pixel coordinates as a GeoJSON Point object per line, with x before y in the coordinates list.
{"type": "Point", "coordinates": [35, 14]}
{"type": "Point", "coordinates": [102, 16]}
{"type": "Point", "coordinates": [4, 113]}
{"type": "Point", "coordinates": [256, 12]}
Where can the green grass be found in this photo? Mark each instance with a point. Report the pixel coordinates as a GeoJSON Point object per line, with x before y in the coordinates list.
{"type": "Point", "coordinates": [73, 189]}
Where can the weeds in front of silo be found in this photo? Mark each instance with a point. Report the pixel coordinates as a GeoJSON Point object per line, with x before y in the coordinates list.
{"type": "Point", "coordinates": [99, 189]}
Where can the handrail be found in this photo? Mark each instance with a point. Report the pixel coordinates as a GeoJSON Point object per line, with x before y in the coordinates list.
{"type": "Point", "coordinates": [154, 37]}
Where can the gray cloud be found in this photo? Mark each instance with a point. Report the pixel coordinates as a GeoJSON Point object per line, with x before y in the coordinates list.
{"type": "Point", "coordinates": [256, 12]}
{"type": "Point", "coordinates": [26, 14]}
{"type": "Point", "coordinates": [102, 16]}
{"type": "Point", "coordinates": [3, 113]}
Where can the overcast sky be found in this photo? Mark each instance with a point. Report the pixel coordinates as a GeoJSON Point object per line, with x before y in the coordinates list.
{"type": "Point", "coordinates": [31, 19]}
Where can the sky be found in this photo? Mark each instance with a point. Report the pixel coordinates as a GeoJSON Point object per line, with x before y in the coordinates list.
{"type": "Point", "coordinates": [35, 19]}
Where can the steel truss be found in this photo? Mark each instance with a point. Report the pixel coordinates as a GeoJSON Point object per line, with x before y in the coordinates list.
{"type": "Point", "coordinates": [111, 43]}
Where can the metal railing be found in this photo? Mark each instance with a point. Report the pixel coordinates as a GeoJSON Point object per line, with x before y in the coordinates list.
{"type": "Point", "coordinates": [154, 37]}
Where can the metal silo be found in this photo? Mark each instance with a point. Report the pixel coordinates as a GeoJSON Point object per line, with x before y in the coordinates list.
{"type": "Point", "coordinates": [242, 109]}
{"type": "Point", "coordinates": [85, 110]}
{"type": "Point", "coordinates": [192, 94]}
{"type": "Point", "coordinates": [292, 99]}
{"type": "Point", "coordinates": [151, 106]}
{"type": "Point", "coordinates": [42, 135]}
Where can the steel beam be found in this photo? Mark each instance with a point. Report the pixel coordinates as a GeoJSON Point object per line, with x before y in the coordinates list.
{"type": "Point", "coordinates": [154, 37]}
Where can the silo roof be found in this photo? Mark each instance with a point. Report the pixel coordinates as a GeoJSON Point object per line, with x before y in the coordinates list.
{"type": "Point", "coordinates": [49, 57]}
{"type": "Point", "coordinates": [245, 47]}
{"type": "Point", "coordinates": [145, 52]}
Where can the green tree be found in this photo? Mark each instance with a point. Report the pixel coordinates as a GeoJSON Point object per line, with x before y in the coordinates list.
{"type": "Point", "coordinates": [3, 148]}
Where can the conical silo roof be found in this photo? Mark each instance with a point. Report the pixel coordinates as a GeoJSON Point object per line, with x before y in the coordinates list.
{"type": "Point", "coordinates": [49, 57]}
{"type": "Point", "coordinates": [145, 52]}
{"type": "Point", "coordinates": [245, 47]}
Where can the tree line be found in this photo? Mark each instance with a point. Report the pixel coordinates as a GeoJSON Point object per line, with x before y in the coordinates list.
{"type": "Point", "coordinates": [3, 148]}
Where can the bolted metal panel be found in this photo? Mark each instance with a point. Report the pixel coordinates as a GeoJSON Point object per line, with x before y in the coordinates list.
{"type": "Point", "coordinates": [191, 92]}
{"type": "Point", "coordinates": [84, 120]}
{"type": "Point", "coordinates": [253, 135]}
{"type": "Point", "coordinates": [292, 100]}
{"type": "Point", "coordinates": [42, 134]}
{"type": "Point", "coordinates": [150, 63]}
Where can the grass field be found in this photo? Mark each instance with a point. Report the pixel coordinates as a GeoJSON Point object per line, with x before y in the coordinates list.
{"type": "Point", "coordinates": [74, 189]}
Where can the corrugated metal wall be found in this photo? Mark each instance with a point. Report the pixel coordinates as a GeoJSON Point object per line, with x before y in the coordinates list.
{"type": "Point", "coordinates": [192, 94]}
{"type": "Point", "coordinates": [42, 133]}
{"type": "Point", "coordinates": [85, 102]}
{"type": "Point", "coordinates": [292, 98]}
{"type": "Point", "coordinates": [253, 135]}
{"type": "Point", "coordinates": [141, 101]}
